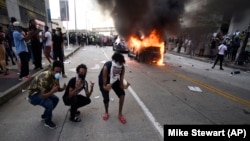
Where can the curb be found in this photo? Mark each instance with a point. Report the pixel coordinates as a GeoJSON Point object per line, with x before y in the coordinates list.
{"type": "Point", "coordinates": [206, 60]}
{"type": "Point", "coordinates": [10, 93]}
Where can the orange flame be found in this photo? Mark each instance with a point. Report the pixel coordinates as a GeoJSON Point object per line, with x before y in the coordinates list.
{"type": "Point", "coordinates": [152, 40]}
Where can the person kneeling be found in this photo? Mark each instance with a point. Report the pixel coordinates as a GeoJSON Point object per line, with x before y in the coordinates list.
{"type": "Point", "coordinates": [72, 97]}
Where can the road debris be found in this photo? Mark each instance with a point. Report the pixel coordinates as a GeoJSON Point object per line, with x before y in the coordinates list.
{"type": "Point", "coordinates": [195, 88]}
{"type": "Point", "coordinates": [235, 72]}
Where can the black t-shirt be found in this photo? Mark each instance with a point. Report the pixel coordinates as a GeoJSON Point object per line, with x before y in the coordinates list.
{"type": "Point", "coordinates": [57, 43]}
{"type": "Point", "coordinates": [213, 44]}
{"type": "Point", "coordinates": [35, 42]}
{"type": "Point", "coordinates": [10, 33]}
{"type": "Point", "coordinates": [72, 84]}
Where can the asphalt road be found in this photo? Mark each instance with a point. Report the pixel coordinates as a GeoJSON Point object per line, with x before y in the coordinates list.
{"type": "Point", "coordinates": [158, 96]}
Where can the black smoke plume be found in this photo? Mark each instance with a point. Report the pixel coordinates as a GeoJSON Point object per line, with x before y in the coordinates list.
{"type": "Point", "coordinates": [132, 17]}
{"type": "Point", "coordinates": [228, 7]}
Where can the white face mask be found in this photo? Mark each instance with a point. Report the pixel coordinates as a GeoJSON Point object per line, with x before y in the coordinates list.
{"type": "Point", "coordinates": [57, 75]}
{"type": "Point", "coordinates": [57, 32]}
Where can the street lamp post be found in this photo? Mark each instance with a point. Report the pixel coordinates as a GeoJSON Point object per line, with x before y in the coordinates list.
{"type": "Point", "coordinates": [75, 15]}
{"type": "Point", "coordinates": [86, 18]}
{"type": "Point", "coordinates": [67, 16]}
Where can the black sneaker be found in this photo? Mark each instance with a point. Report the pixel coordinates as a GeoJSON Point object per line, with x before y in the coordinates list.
{"type": "Point", "coordinates": [75, 119]}
{"type": "Point", "coordinates": [78, 113]}
{"type": "Point", "coordinates": [50, 124]}
{"type": "Point", "coordinates": [42, 118]}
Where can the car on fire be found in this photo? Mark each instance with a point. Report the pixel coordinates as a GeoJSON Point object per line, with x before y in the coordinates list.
{"type": "Point", "coordinates": [151, 54]}
{"type": "Point", "coordinates": [120, 45]}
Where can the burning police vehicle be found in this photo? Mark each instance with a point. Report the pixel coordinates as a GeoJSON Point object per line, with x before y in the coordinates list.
{"type": "Point", "coordinates": [148, 49]}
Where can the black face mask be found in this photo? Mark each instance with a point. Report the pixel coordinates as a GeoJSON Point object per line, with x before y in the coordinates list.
{"type": "Point", "coordinates": [82, 76]}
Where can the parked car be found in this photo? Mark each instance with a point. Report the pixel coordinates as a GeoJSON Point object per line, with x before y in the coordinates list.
{"type": "Point", "coordinates": [151, 54]}
{"type": "Point", "coordinates": [120, 45]}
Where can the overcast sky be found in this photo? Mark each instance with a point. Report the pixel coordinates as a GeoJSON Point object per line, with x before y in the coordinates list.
{"type": "Point", "coordinates": [88, 14]}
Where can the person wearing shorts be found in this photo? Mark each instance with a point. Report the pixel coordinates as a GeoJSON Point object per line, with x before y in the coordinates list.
{"type": "Point", "coordinates": [48, 44]}
{"type": "Point", "coordinates": [111, 77]}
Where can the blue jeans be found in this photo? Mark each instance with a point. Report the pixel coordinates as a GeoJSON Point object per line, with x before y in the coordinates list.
{"type": "Point", "coordinates": [49, 104]}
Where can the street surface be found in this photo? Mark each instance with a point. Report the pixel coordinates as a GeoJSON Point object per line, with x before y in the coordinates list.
{"type": "Point", "coordinates": [158, 96]}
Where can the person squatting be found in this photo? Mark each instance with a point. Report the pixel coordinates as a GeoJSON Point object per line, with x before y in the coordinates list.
{"type": "Point", "coordinates": [44, 86]}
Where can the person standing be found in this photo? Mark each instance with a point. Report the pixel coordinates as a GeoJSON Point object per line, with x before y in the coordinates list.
{"type": "Point", "coordinates": [235, 47]}
{"type": "Point", "coordinates": [2, 52]}
{"type": "Point", "coordinates": [72, 97]}
{"type": "Point", "coordinates": [42, 92]}
{"type": "Point", "coordinates": [36, 46]}
{"type": "Point", "coordinates": [21, 47]}
{"type": "Point", "coordinates": [220, 56]}
{"type": "Point", "coordinates": [212, 48]}
{"type": "Point", "coordinates": [111, 77]}
{"type": "Point", "coordinates": [58, 51]}
{"type": "Point", "coordinates": [11, 42]}
{"type": "Point", "coordinates": [48, 44]}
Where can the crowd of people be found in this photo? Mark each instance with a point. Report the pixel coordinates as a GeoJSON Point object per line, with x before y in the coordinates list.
{"type": "Point", "coordinates": [210, 46]}
{"type": "Point", "coordinates": [22, 45]}
{"type": "Point", "coordinates": [90, 39]}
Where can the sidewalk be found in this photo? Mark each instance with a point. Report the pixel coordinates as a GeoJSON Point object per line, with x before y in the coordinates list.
{"type": "Point", "coordinates": [10, 85]}
{"type": "Point", "coordinates": [227, 63]}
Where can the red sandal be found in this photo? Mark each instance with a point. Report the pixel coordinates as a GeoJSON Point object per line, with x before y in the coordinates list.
{"type": "Point", "coordinates": [105, 116]}
{"type": "Point", "coordinates": [122, 119]}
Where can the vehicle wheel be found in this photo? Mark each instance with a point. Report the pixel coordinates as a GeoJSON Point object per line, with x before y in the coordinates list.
{"type": "Point", "coordinates": [139, 57]}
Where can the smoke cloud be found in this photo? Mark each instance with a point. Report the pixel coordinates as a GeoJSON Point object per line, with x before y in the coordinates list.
{"type": "Point", "coordinates": [132, 17]}
{"type": "Point", "coordinates": [228, 7]}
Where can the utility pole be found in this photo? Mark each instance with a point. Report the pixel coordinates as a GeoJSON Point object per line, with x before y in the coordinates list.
{"type": "Point", "coordinates": [75, 15]}
{"type": "Point", "coordinates": [67, 16]}
{"type": "Point", "coordinates": [75, 22]}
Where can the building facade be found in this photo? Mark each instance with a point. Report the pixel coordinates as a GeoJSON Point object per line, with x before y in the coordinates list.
{"type": "Point", "coordinates": [24, 10]}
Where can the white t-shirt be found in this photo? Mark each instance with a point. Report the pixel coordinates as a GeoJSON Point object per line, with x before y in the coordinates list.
{"type": "Point", "coordinates": [115, 72]}
{"type": "Point", "coordinates": [41, 36]}
{"type": "Point", "coordinates": [222, 48]}
{"type": "Point", "coordinates": [189, 43]}
{"type": "Point", "coordinates": [49, 38]}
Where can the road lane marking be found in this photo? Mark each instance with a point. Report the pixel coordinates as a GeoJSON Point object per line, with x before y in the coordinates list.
{"type": "Point", "coordinates": [96, 67]}
{"type": "Point", "coordinates": [213, 89]}
{"type": "Point", "coordinates": [146, 111]}
{"type": "Point", "coordinates": [105, 54]}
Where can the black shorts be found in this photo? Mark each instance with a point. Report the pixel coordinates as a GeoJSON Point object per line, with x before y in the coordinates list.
{"type": "Point", "coordinates": [116, 87]}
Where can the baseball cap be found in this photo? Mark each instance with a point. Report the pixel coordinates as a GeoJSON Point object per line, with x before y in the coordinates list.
{"type": "Point", "coordinates": [16, 23]}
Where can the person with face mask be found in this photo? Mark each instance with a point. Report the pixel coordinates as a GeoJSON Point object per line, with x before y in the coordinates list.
{"type": "Point", "coordinates": [72, 97]}
{"type": "Point", "coordinates": [111, 77]}
{"type": "Point", "coordinates": [42, 92]}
